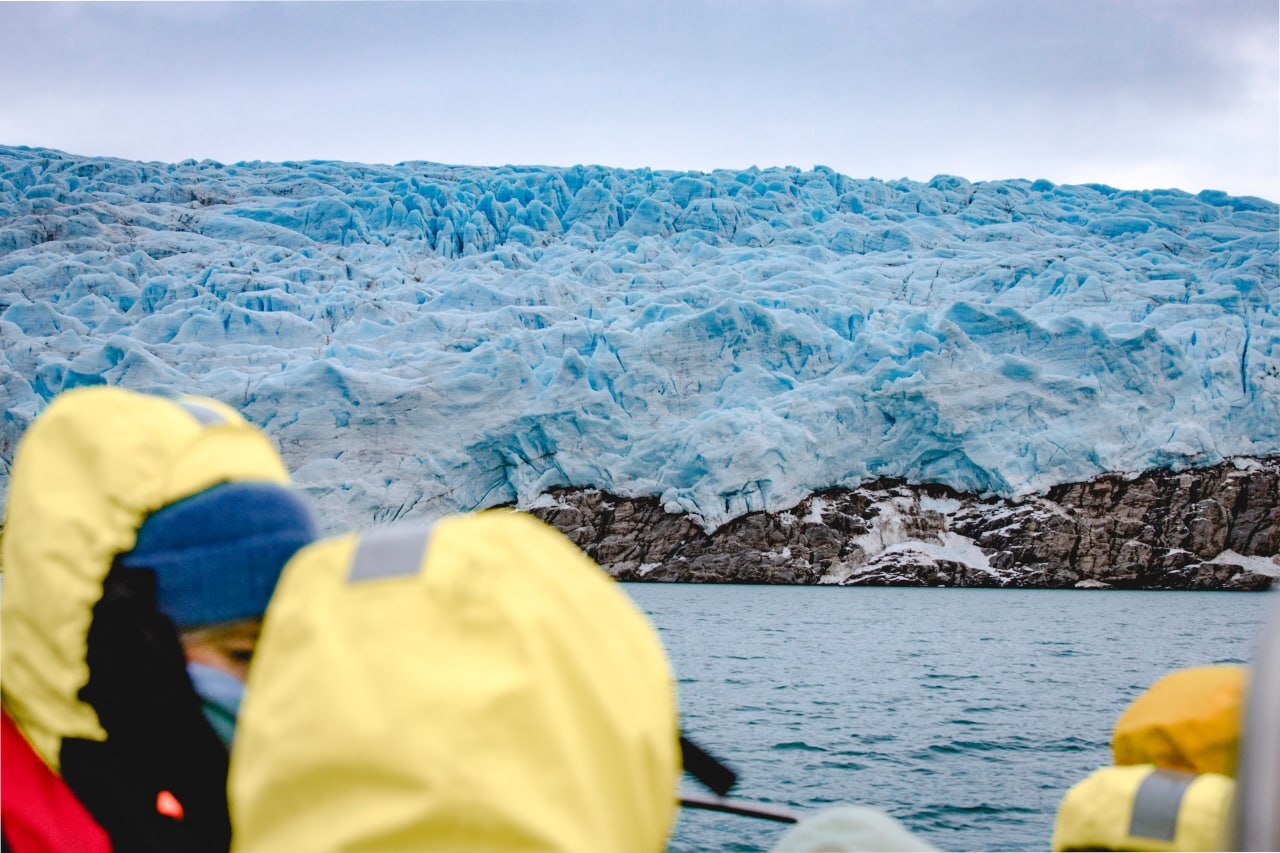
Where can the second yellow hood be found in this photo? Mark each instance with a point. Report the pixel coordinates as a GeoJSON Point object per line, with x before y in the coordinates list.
{"type": "Point", "coordinates": [477, 686]}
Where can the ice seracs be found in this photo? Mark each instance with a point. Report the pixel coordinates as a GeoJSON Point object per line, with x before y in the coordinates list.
{"type": "Point", "coordinates": [421, 338]}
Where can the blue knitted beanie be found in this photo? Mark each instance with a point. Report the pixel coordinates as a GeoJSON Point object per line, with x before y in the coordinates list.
{"type": "Point", "coordinates": [217, 554]}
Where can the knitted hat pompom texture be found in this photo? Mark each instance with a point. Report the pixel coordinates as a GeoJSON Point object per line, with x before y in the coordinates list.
{"type": "Point", "coordinates": [218, 554]}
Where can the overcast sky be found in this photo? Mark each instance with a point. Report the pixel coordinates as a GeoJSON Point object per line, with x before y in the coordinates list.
{"type": "Point", "coordinates": [1134, 93]}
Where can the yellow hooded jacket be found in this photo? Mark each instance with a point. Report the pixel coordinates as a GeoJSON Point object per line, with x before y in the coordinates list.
{"type": "Point", "coordinates": [86, 474]}
{"type": "Point", "coordinates": [1144, 807]}
{"type": "Point", "coordinates": [476, 685]}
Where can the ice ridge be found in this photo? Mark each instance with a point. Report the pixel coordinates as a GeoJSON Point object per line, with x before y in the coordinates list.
{"type": "Point", "coordinates": [422, 338]}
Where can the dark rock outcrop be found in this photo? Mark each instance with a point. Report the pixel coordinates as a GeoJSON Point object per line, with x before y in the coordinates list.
{"type": "Point", "coordinates": [1208, 528]}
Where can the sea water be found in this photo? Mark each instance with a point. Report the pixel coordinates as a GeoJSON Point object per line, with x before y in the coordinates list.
{"type": "Point", "coordinates": [966, 714]}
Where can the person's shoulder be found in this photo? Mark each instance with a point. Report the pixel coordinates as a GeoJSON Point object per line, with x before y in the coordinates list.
{"type": "Point", "coordinates": [850, 828]}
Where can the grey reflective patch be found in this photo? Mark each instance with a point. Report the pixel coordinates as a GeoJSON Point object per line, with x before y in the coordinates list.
{"type": "Point", "coordinates": [202, 413]}
{"type": "Point", "coordinates": [390, 552]}
{"type": "Point", "coordinates": [1157, 803]}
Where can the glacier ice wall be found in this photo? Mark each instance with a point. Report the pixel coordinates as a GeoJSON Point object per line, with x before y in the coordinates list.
{"type": "Point", "coordinates": [420, 338]}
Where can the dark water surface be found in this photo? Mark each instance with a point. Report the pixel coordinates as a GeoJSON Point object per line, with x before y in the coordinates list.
{"type": "Point", "coordinates": [965, 713]}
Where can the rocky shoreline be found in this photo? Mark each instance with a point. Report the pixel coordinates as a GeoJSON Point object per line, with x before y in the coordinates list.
{"type": "Point", "coordinates": [1212, 528]}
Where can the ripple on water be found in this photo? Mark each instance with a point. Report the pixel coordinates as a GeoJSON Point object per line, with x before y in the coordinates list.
{"type": "Point", "coordinates": [976, 809]}
{"type": "Point", "coordinates": [976, 817]}
{"type": "Point", "coordinates": [871, 756]}
{"type": "Point", "coordinates": [876, 738]}
{"type": "Point", "coordinates": [1071, 744]}
{"type": "Point", "coordinates": [799, 744]}
{"type": "Point", "coordinates": [956, 747]}
{"type": "Point", "coordinates": [1014, 743]}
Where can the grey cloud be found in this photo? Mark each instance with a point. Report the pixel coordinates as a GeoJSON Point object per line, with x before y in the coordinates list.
{"type": "Point", "coordinates": [967, 86]}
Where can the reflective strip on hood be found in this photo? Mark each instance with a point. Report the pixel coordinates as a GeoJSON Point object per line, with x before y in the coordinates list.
{"type": "Point", "coordinates": [390, 552]}
{"type": "Point", "coordinates": [1157, 803]}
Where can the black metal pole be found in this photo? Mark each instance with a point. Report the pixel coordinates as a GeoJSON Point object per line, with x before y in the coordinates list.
{"type": "Point", "coordinates": [739, 807]}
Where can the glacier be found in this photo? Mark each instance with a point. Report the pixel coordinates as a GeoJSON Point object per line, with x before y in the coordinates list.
{"type": "Point", "coordinates": [422, 338]}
